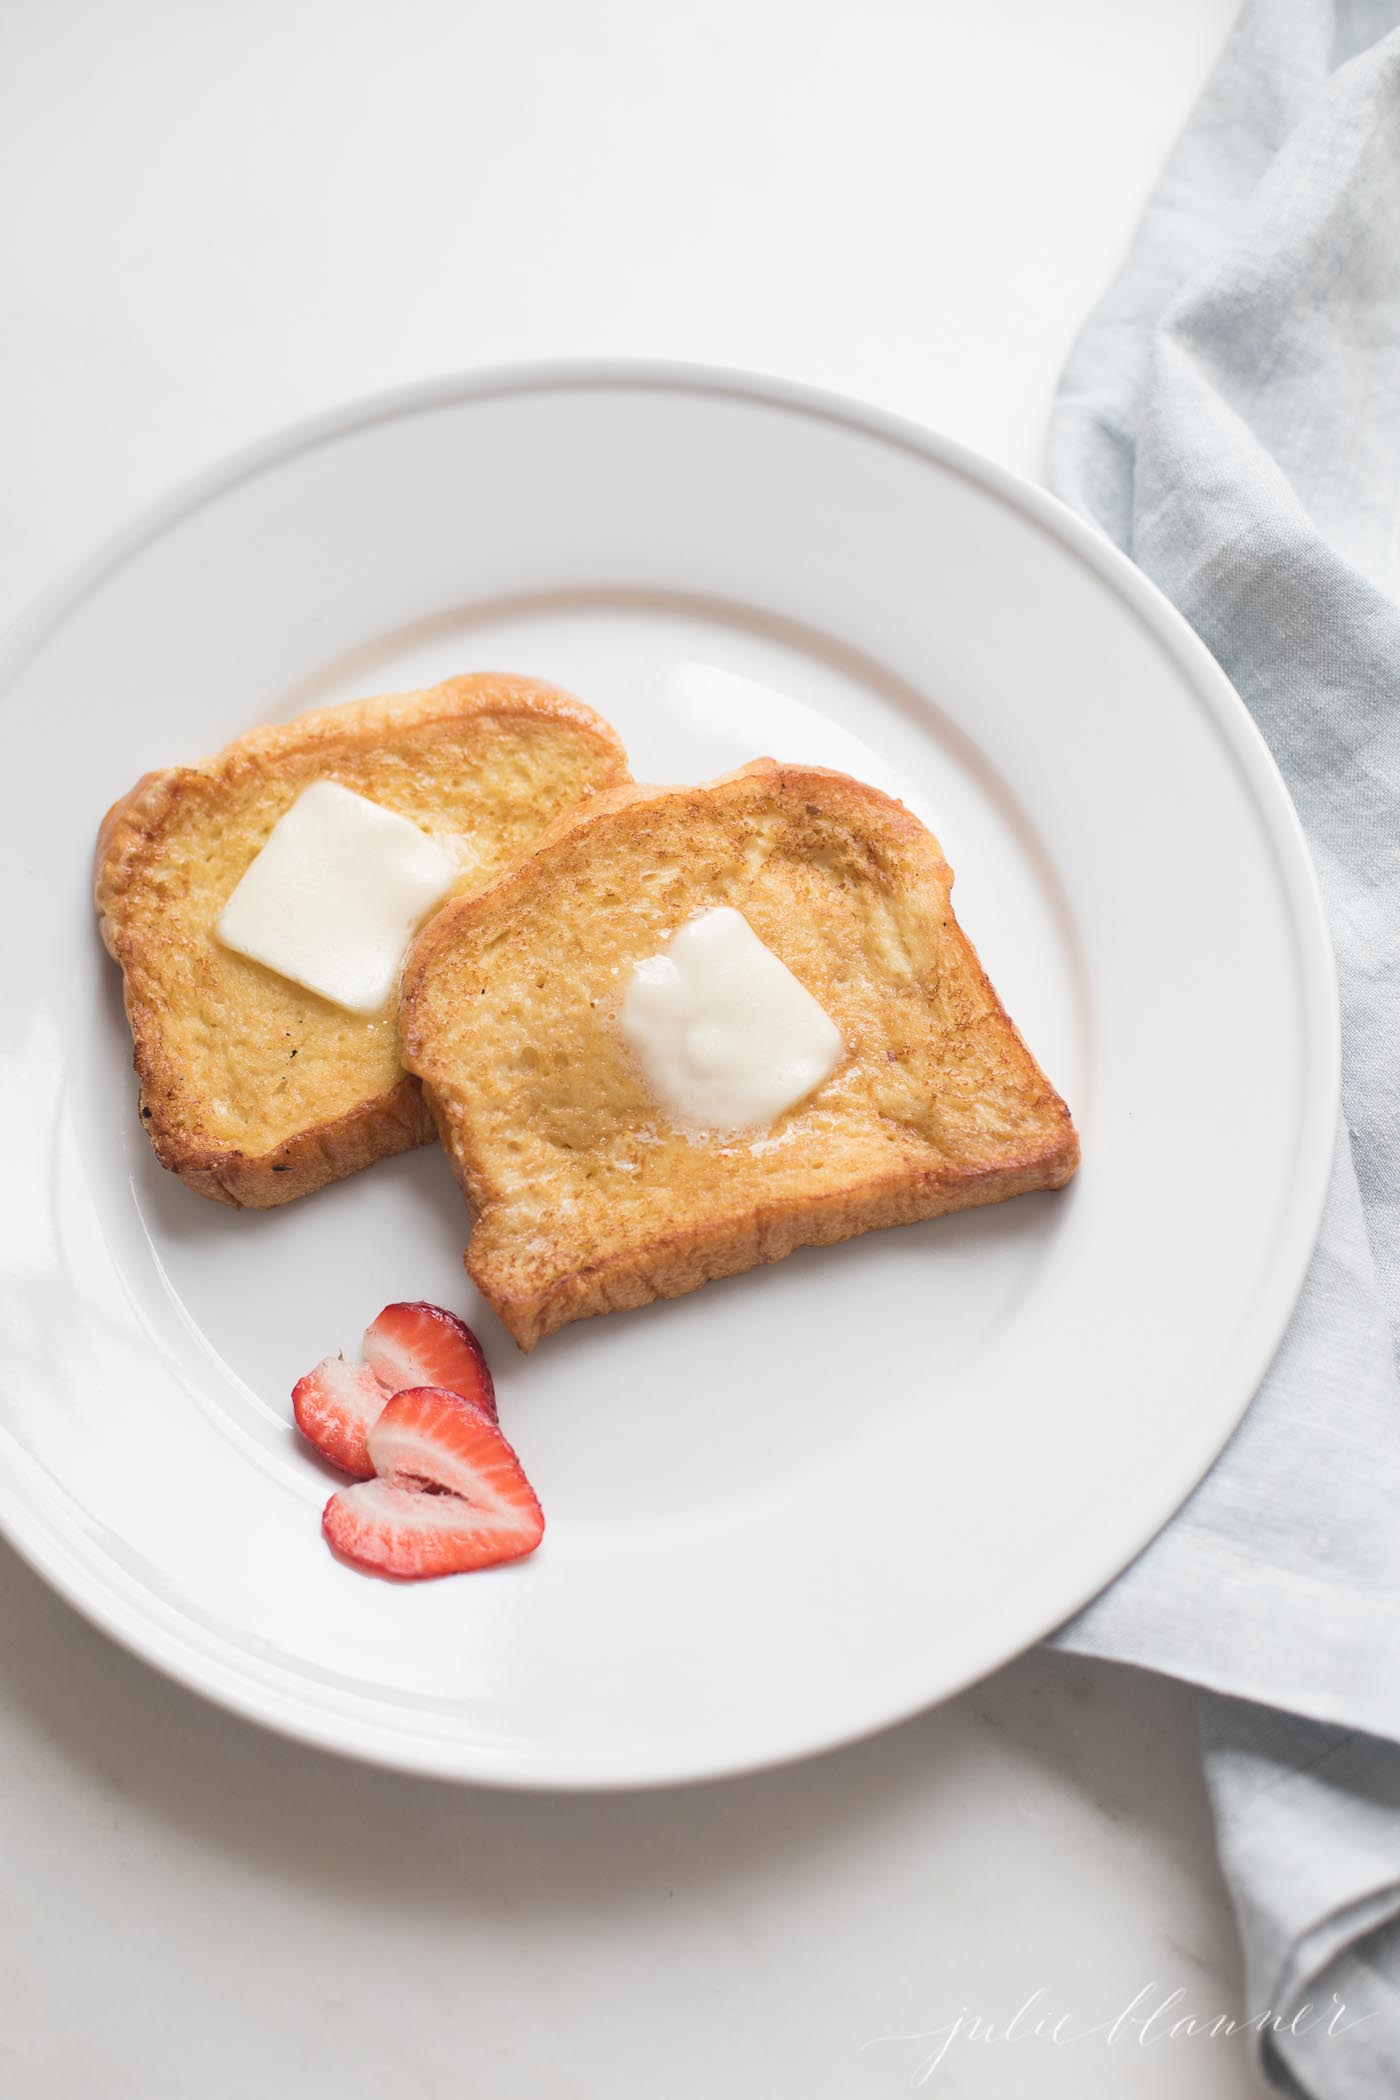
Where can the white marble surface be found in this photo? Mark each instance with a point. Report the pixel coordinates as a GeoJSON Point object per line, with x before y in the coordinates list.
{"type": "Point", "coordinates": [222, 216]}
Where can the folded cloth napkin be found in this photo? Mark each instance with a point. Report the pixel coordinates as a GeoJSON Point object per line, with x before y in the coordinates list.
{"type": "Point", "coordinates": [1231, 417]}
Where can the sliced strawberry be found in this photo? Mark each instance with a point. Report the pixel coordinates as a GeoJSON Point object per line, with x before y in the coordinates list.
{"type": "Point", "coordinates": [399, 1530]}
{"type": "Point", "coordinates": [336, 1405]}
{"type": "Point", "coordinates": [431, 1435]}
{"type": "Point", "coordinates": [476, 1509]}
{"type": "Point", "coordinates": [420, 1345]}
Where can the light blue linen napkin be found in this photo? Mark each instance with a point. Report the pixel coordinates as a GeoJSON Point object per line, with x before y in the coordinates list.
{"type": "Point", "coordinates": [1231, 417]}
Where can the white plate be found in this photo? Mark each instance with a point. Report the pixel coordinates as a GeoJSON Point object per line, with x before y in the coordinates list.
{"type": "Point", "coordinates": [793, 1506]}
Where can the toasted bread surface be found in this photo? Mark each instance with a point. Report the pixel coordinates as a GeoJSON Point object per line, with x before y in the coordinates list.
{"type": "Point", "coordinates": [586, 1199]}
{"type": "Point", "coordinates": [252, 1089]}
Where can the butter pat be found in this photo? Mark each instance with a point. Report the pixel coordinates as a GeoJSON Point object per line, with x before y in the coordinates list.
{"type": "Point", "coordinates": [336, 895]}
{"type": "Point", "coordinates": [726, 1037]}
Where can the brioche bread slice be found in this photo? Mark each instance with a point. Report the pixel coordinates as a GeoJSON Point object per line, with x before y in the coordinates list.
{"type": "Point", "coordinates": [586, 1199]}
{"type": "Point", "coordinates": [253, 1090]}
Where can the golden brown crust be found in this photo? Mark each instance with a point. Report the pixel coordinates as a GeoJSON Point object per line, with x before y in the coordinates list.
{"type": "Point", "coordinates": [581, 1207]}
{"type": "Point", "coordinates": [683, 1260]}
{"type": "Point", "coordinates": [392, 1122]}
{"type": "Point", "coordinates": [149, 936]}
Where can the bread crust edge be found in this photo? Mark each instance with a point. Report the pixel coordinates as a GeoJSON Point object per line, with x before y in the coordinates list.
{"type": "Point", "coordinates": [682, 1262]}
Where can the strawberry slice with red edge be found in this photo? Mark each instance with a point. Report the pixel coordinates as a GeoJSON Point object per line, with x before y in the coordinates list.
{"type": "Point", "coordinates": [421, 1345]}
{"type": "Point", "coordinates": [451, 1494]}
{"type": "Point", "coordinates": [336, 1406]}
{"type": "Point", "coordinates": [408, 1345]}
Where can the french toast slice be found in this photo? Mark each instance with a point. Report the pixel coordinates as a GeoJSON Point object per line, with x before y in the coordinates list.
{"type": "Point", "coordinates": [585, 1198]}
{"type": "Point", "coordinates": [254, 1090]}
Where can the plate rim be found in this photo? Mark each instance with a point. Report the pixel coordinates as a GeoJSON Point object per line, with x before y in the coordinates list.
{"type": "Point", "coordinates": [764, 1746]}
